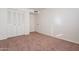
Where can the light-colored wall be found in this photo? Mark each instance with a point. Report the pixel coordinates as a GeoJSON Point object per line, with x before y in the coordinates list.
{"type": "Point", "coordinates": [59, 22]}
{"type": "Point", "coordinates": [42, 22]}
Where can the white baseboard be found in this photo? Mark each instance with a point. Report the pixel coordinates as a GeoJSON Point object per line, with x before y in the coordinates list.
{"type": "Point", "coordinates": [61, 36]}
{"type": "Point", "coordinates": [3, 38]}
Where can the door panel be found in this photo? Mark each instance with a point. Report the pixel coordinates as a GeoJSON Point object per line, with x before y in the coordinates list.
{"type": "Point", "coordinates": [15, 23]}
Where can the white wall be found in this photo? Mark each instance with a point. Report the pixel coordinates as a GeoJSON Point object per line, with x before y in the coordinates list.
{"type": "Point", "coordinates": [14, 22]}
{"type": "Point", "coordinates": [32, 22]}
{"type": "Point", "coordinates": [62, 23]}
{"type": "Point", "coordinates": [43, 20]}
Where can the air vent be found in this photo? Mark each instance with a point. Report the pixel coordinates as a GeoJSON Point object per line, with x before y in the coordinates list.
{"type": "Point", "coordinates": [34, 11]}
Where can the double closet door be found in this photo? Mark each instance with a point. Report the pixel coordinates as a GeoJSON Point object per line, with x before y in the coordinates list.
{"type": "Point", "coordinates": [15, 22]}
{"type": "Point", "coordinates": [12, 23]}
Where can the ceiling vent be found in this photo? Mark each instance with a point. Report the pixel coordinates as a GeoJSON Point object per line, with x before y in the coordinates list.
{"type": "Point", "coordinates": [32, 11]}
{"type": "Point", "coordinates": [36, 11]}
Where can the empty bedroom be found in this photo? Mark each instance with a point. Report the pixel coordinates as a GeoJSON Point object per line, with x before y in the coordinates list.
{"type": "Point", "coordinates": [39, 29]}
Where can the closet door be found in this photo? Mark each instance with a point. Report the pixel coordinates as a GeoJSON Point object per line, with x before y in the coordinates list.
{"type": "Point", "coordinates": [15, 23]}
{"type": "Point", "coordinates": [3, 24]}
{"type": "Point", "coordinates": [20, 24]}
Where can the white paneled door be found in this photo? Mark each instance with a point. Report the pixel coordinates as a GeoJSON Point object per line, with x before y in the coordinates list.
{"type": "Point", "coordinates": [3, 24]}
{"type": "Point", "coordinates": [13, 22]}
{"type": "Point", "coordinates": [16, 20]}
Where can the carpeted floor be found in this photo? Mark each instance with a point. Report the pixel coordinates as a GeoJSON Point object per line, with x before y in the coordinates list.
{"type": "Point", "coordinates": [37, 42]}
